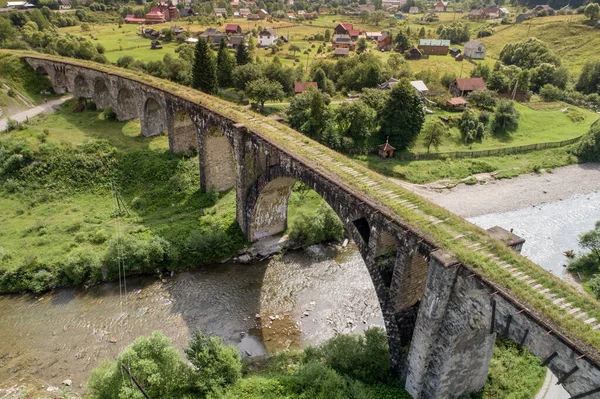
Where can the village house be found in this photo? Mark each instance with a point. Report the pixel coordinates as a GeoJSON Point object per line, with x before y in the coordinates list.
{"type": "Point", "coordinates": [420, 86]}
{"type": "Point", "coordinates": [343, 41]}
{"type": "Point", "coordinates": [220, 13]}
{"type": "Point", "coordinates": [208, 34]}
{"type": "Point", "coordinates": [154, 16]}
{"type": "Point", "coordinates": [343, 29]}
{"type": "Point", "coordinates": [236, 40]}
{"type": "Point", "coordinates": [523, 17]}
{"type": "Point", "coordinates": [267, 37]}
{"type": "Point", "coordinates": [291, 15]}
{"type": "Point", "coordinates": [262, 14]}
{"type": "Point", "coordinates": [434, 46]}
{"type": "Point", "coordinates": [492, 12]}
{"type": "Point", "coordinates": [341, 52]}
{"type": "Point", "coordinates": [300, 87]}
{"type": "Point", "coordinates": [372, 35]}
{"type": "Point", "coordinates": [64, 4]}
{"type": "Point", "coordinates": [475, 50]}
{"type": "Point", "coordinates": [132, 19]}
{"type": "Point", "coordinates": [366, 7]}
{"type": "Point", "coordinates": [244, 12]}
{"type": "Point", "coordinates": [384, 43]}
{"type": "Point", "coordinates": [233, 29]}
{"type": "Point", "coordinates": [440, 6]}
{"type": "Point", "coordinates": [388, 84]}
{"type": "Point", "coordinates": [234, 4]}
{"type": "Point", "coordinates": [177, 30]}
{"type": "Point", "coordinates": [393, 4]}
{"type": "Point", "coordinates": [477, 14]}
{"type": "Point", "coordinates": [545, 7]}
{"type": "Point", "coordinates": [462, 86]}
{"type": "Point", "coordinates": [413, 10]}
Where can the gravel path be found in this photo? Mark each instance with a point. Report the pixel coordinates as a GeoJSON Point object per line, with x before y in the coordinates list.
{"type": "Point", "coordinates": [47, 107]}
{"type": "Point", "coordinates": [493, 196]}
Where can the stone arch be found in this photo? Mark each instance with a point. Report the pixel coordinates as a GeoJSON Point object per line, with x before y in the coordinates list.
{"type": "Point", "coordinates": [269, 215]}
{"type": "Point", "coordinates": [81, 87]}
{"type": "Point", "coordinates": [183, 133]}
{"type": "Point", "coordinates": [127, 107]}
{"type": "Point", "coordinates": [60, 81]}
{"type": "Point", "coordinates": [217, 162]}
{"type": "Point", "coordinates": [101, 94]}
{"type": "Point", "coordinates": [154, 120]}
{"type": "Point", "coordinates": [41, 70]}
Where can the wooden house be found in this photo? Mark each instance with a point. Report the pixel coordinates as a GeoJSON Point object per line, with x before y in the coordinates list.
{"type": "Point", "coordinates": [440, 6]}
{"type": "Point", "coordinates": [300, 87]}
{"type": "Point", "coordinates": [474, 49]}
{"type": "Point", "coordinates": [434, 46]}
{"type": "Point", "coordinates": [233, 29]}
{"type": "Point", "coordinates": [462, 86]}
{"type": "Point", "coordinates": [341, 52]}
{"type": "Point", "coordinates": [457, 104]}
{"type": "Point", "coordinates": [384, 43]}
{"type": "Point", "coordinates": [414, 53]}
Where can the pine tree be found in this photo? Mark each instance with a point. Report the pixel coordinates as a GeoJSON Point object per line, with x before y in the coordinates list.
{"type": "Point", "coordinates": [204, 74]}
{"type": "Point", "coordinates": [224, 66]}
{"type": "Point", "coordinates": [242, 55]}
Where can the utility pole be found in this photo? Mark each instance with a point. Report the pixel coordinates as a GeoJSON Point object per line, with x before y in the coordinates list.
{"type": "Point", "coordinates": [135, 381]}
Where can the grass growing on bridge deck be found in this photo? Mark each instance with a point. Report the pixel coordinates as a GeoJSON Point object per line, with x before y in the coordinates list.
{"type": "Point", "coordinates": [408, 209]}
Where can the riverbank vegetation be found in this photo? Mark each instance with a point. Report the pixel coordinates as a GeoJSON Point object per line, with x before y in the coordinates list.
{"type": "Point", "coordinates": [347, 366]}
{"type": "Point", "coordinates": [587, 265]}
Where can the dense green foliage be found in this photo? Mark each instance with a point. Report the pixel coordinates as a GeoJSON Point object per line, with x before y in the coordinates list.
{"type": "Point", "coordinates": [589, 263]}
{"type": "Point", "coordinates": [402, 116]}
{"type": "Point", "coordinates": [155, 364]}
{"type": "Point", "coordinates": [204, 71]}
{"type": "Point", "coordinates": [588, 149]}
{"type": "Point", "coordinates": [506, 117]}
{"type": "Point", "coordinates": [215, 365]}
{"type": "Point", "coordinates": [322, 226]}
{"type": "Point", "coordinates": [225, 64]}
{"type": "Point", "coordinates": [589, 80]}
{"type": "Point", "coordinates": [262, 90]}
{"type": "Point", "coordinates": [529, 53]}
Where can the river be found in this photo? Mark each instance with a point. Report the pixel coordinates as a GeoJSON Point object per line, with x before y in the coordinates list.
{"type": "Point", "coordinates": [303, 298]}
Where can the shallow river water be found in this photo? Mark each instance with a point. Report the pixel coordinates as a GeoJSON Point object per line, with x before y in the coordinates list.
{"type": "Point", "coordinates": [304, 298]}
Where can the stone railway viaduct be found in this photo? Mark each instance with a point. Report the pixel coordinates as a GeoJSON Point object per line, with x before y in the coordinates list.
{"type": "Point", "coordinates": [442, 315]}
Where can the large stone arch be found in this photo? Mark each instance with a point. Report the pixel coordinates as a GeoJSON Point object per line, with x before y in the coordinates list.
{"type": "Point", "coordinates": [41, 70]}
{"type": "Point", "coordinates": [127, 105]}
{"type": "Point", "coordinates": [216, 155]}
{"type": "Point", "coordinates": [154, 118]}
{"type": "Point", "coordinates": [101, 94]}
{"type": "Point", "coordinates": [81, 87]}
{"type": "Point", "coordinates": [60, 81]}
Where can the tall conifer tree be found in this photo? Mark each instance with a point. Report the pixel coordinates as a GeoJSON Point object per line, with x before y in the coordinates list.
{"type": "Point", "coordinates": [204, 72]}
{"type": "Point", "coordinates": [242, 55]}
{"type": "Point", "coordinates": [224, 66]}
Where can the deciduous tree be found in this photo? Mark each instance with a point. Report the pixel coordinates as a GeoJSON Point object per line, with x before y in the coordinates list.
{"type": "Point", "coordinates": [263, 89]}
{"type": "Point", "coordinates": [402, 116]}
{"type": "Point", "coordinates": [433, 134]}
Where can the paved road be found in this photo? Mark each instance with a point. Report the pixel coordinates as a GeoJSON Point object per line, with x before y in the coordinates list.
{"type": "Point", "coordinates": [47, 107]}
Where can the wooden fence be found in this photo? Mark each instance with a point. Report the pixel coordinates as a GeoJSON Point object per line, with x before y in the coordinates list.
{"type": "Point", "coordinates": [487, 153]}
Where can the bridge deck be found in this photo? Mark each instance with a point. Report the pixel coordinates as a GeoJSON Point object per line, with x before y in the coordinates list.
{"type": "Point", "coordinates": [571, 315]}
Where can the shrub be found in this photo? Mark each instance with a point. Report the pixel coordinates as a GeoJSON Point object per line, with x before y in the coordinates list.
{"type": "Point", "coordinates": [471, 129]}
{"type": "Point", "coordinates": [154, 362]}
{"type": "Point", "coordinates": [125, 61]}
{"type": "Point", "coordinates": [550, 92]}
{"type": "Point", "coordinates": [363, 358]}
{"type": "Point", "coordinates": [484, 98]}
{"type": "Point", "coordinates": [312, 229]}
{"type": "Point", "coordinates": [138, 254]}
{"type": "Point", "coordinates": [447, 78]}
{"type": "Point", "coordinates": [594, 284]}
{"type": "Point", "coordinates": [81, 266]}
{"type": "Point", "coordinates": [109, 113]}
{"type": "Point", "coordinates": [216, 365]}
{"type": "Point", "coordinates": [208, 245]}
{"type": "Point", "coordinates": [12, 124]}
{"type": "Point", "coordinates": [506, 117]}
{"type": "Point", "coordinates": [588, 148]}
{"type": "Point", "coordinates": [484, 117]}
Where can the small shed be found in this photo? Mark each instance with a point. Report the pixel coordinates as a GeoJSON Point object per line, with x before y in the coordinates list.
{"type": "Point", "coordinates": [385, 150]}
{"type": "Point", "coordinates": [457, 104]}
{"type": "Point", "coordinates": [459, 57]}
{"type": "Point", "coordinates": [510, 239]}
{"type": "Point", "coordinates": [414, 53]}
{"type": "Point", "coordinates": [155, 45]}
{"type": "Point", "coordinates": [455, 51]}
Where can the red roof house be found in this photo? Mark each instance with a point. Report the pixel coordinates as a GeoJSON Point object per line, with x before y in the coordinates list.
{"type": "Point", "coordinates": [233, 28]}
{"type": "Point", "coordinates": [300, 87]}
{"type": "Point", "coordinates": [343, 29]}
{"type": "Point", "coordinates": [463, 86]}
{"type": "Point", "coordinates": [155, 17]}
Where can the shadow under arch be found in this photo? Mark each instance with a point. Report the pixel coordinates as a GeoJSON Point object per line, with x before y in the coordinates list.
{"type": "Point", "coordinates": [127, 107]}
{"type": "Point", "coordinates": [101, 94]}
{"type": "Point", "coordinates": [154, 120]}
{"type": "Point", "coordinates": [183, 133]}
{"type": "Point", "coordinates": [42, 71]}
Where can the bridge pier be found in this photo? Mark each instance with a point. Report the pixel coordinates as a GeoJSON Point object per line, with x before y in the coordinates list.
{"type": "Point", "coordinates": [452, 344]}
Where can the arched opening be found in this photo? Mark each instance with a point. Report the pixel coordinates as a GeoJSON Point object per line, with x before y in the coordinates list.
{"type": "Point", "coordinates": [41, 70]}
{"type": "Point", "coordinates": [183, 135]}
{"type": "Point", "coordinates": [101, 94]}
{"type": "Point", "coordinates": [127, 107]}
{"type": "Point", "coordinates": [61, 83]}
{"type": "Point", "coordinates": [217, 164]}
{"type": "Point", "coordinates": [154, 120]}
{"type": "Point", "coordinates": [270, 213]}
{"type": "Point", "coordinates": [80, 87]}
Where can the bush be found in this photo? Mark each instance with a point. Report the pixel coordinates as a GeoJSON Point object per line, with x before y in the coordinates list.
{"type": "Point", "coordinates": [12, 124]}
{"type": "Point", "coordinates": [363, 358]}
{"type": "Point", "coordinates": [550, 93]}
{"type": "Point", "coordinates": [208, 245]}
{"type": "Point", "coordinates": [154, 362]}
{"type": "Point", "coordinates": [588, 148]}
{"type": "Point", "coordinates": [484, 98]}
{"type": "Point", "coordinates": [594, 285]}
{"type": "Point", "coordinates": [471, 129]}
{"type": "Point", "coordinates": [216, 365]}
{"type": "Point", "coordinates": [125, 61]}
{"type": "Point", "coordinates": [109, 114]}
{"type": "Point", "coordinates": [138, 254]}
{"type": "Point", "coordinates": [506, 117]}
{"type": "Point", "coordinates": [313, 229]}
{"type": "Point", "coordinates": [81, 266]}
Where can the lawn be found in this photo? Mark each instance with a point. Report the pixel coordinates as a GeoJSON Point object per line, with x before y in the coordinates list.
{"type": "Point", "coordinates": [539, 123]}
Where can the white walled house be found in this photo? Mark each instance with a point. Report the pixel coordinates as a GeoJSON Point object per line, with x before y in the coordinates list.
{"type": "Point", "coordinates": [475, 50]}
{"type": "Point", "coordinates": [267, 37]}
